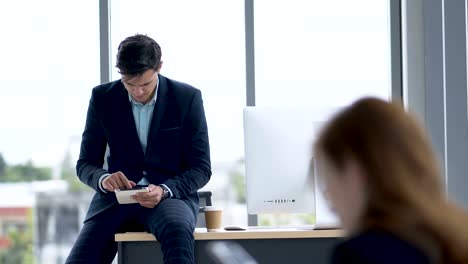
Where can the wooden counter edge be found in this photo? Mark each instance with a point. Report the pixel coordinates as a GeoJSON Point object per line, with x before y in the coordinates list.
{"type": "Point", "coordinates": [229, 235]}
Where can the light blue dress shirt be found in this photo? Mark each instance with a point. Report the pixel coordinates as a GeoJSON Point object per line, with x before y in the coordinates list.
{"type": "Point", "coordinates": [142, 114]}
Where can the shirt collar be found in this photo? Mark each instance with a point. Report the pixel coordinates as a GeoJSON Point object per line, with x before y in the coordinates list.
{"type": "Point", "coordinates": [153, 101]}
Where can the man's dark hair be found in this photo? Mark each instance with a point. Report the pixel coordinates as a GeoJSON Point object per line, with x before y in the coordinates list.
{"type": "Point", "coordinates": [137, 54]}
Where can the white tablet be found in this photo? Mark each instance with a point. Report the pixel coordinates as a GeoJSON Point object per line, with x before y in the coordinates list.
{"type": "Point", "coordinates": [124, 196]}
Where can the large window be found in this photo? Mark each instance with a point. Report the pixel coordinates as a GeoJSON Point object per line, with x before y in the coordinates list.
{"type": "Point", "coordinates": [307, 53]}
{"type": "Point", "coordinates": [49, 54]}
{"type": "Point", "coordinates": [203, 45]}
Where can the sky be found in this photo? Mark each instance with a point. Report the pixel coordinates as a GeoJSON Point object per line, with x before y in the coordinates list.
{"type": "Point", "coordinates": [309, 53]}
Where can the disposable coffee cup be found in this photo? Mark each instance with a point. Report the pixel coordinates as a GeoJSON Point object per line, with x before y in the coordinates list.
{"type": "Point", "coordinates": [213, 218]}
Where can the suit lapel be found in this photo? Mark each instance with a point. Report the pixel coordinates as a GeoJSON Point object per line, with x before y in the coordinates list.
{"type": "Point", "coordinates": [129, 121]}
{"type": "Point", "coordinates": [159, 109]}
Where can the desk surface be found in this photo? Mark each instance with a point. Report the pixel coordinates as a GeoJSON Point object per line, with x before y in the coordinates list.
{"type": "Point", "coordinates": [202, 234]}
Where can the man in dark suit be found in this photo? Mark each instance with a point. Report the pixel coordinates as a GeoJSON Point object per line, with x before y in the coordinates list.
{"type": "Point", "coordinates": [157, 135]}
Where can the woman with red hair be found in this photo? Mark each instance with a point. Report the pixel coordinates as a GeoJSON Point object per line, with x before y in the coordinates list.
{"type": "Point", "coordinates": [383, 180]}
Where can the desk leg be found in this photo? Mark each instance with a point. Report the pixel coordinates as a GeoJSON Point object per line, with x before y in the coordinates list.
{"type": "Point", "coordinates": [120, 259]}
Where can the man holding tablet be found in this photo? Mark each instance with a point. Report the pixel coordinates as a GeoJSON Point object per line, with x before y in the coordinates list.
{"type": "Point", "coordinates": [157, 136]}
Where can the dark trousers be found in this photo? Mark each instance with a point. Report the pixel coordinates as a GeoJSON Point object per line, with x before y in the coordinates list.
{"type": "Point", "coordinates": [172, 222]}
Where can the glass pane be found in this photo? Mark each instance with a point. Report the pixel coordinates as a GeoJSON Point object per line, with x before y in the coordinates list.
{"type": "Point", "coordinates": [202, 45]}
{"type": "Point", "coordinates": [319, 54]}
{"type": "Point", "coordinates": [49, 62]}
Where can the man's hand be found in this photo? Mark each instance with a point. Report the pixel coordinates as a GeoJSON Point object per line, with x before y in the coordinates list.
{"type": "Point", "coordinates": [150, 199]}
{"type": "Point", "coordinates": [117, 181]}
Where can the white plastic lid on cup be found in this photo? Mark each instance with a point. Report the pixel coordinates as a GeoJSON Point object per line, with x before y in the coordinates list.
{"type": "Point", "coordinates": [212, 208]}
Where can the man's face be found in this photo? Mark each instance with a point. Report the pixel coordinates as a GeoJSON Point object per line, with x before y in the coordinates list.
{"type": "Point", "coordinates": [141, 87]}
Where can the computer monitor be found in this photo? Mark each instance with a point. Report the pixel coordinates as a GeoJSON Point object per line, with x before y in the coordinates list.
{"type": "Point", "coordinates": [278, 167]}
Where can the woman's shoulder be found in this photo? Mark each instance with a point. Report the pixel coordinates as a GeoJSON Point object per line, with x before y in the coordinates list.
{"type": "Point", "coordinates": [378, 247]}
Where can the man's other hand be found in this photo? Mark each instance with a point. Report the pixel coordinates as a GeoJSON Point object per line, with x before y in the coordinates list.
{"type": "Point", "coordinates": [117, 180]}
{"type": "Point", "coordinates": [150, 199]}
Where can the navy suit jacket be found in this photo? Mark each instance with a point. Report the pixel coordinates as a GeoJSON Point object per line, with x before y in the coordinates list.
{"type": "Point", "coordinates": [378, 247]}
{"type": "Point", "coordinates": [177, 152]}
